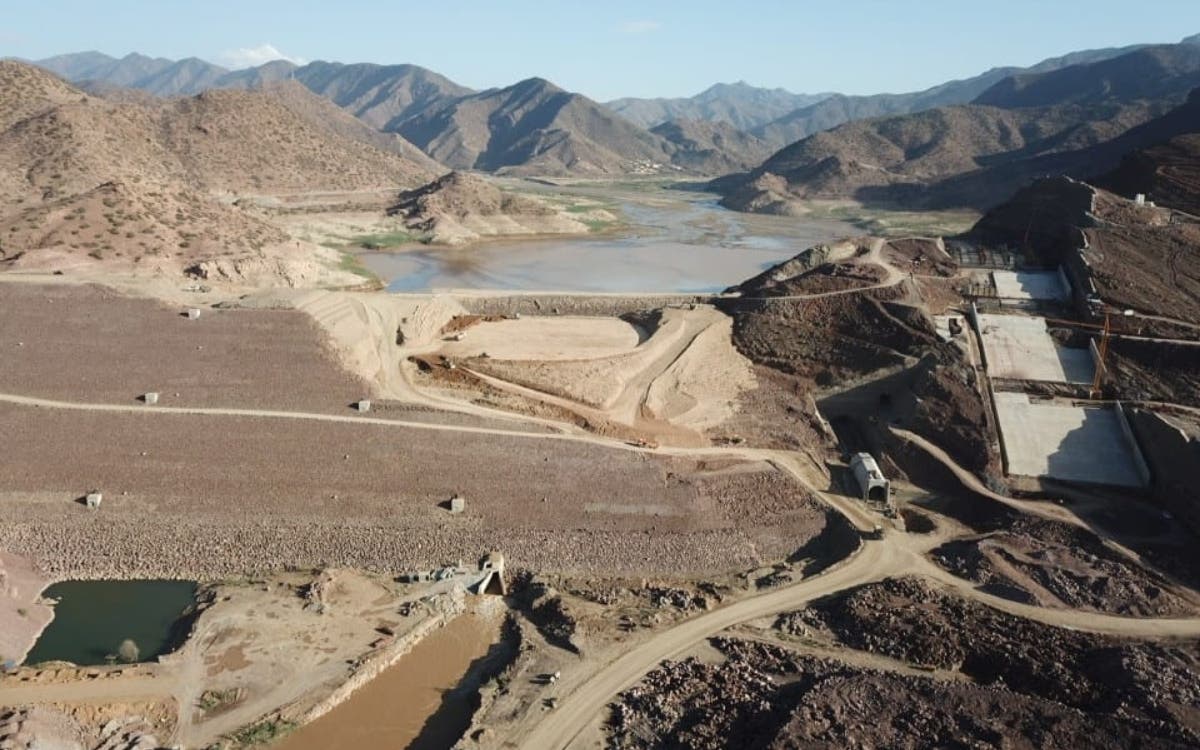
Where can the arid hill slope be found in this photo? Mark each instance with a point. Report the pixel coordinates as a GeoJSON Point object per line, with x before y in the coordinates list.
{"type": "Point", "coordinates": [1168, 174]}
{"type": "Point", "coordinates": [92, 184]}
{"type": "Point", "coordinates": [532, 127]}
{"type": "Point", "coordinates": [277, 139]}
{"type": "Point", "coordinates": [711, 147]}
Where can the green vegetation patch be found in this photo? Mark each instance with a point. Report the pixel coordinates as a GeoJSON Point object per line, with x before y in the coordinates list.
{"type": "Point", "coordinates": [388, 240]}
{"type": "Point", "coordinates": [262, 733]}
{"type": "Point", "coordinates": [353, 264]}
{"type": "Point", "coordinates": [896, 223]}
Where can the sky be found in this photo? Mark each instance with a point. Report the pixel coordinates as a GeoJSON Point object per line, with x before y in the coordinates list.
{"type": "Point", "coordinates": [612, 48]}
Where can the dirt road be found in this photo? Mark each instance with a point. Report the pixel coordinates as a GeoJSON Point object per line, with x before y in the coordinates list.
{"type": "Point", "coordinates": [585, 700]}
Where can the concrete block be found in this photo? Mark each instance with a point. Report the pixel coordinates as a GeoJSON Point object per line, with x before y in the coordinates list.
{"type": "Point", "coordinates": [458, 504]}
{"type": "Point", "coordinates": [93, 500]}
{"type": "Point", "coordinates": [193, 313]}
{"type": "Point", "coordinates": [363, 405]}
{"type": "Point", "coordinates": [150, 398]}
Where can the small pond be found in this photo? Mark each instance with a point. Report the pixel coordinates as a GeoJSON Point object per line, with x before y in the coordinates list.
{"type": "Point", "coordinates": [93, 618]}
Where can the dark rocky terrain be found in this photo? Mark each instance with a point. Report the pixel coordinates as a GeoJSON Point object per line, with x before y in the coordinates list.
{"type": "Point", "coordinates": [1003, 682]}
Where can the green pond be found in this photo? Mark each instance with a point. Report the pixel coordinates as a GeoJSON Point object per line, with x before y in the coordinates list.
{"type": "Point", "coordinates": [92, 618]}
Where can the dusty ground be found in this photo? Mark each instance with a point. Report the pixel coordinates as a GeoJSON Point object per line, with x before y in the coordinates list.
{"type": "Point", "coordinates": [285, 648]}
{"type": "Point", "coordinates": [22, 613]}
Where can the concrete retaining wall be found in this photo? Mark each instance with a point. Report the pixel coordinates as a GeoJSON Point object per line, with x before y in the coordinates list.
{"type": "Point", "coordinates": [1135, 449]}
{"type": "Point", "coordinates": [1066, 282]}
{"type": "Point", "coordinates": [575, 304]}
{"type": "Point", "coordinates": [1174, 459]}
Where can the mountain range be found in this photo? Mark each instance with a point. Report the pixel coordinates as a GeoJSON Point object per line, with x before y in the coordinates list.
{"type": "Point", "coordinates": [1068, 119]}
{"type": "Point", "coordinates": [775, 146]}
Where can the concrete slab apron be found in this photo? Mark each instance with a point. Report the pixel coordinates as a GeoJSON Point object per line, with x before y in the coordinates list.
{"type": "Point", "coordinates": [1064, 442]}
{"type": "Point", "coordinates": [1020, 348]}
{"type": "Point", "coordinates": [1029, 285]}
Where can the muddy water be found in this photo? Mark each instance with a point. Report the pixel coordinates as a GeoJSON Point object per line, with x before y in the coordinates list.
{"type": "Point", "coordinates": [683, 243]}
{"type": "Point", "coordinates": [412, 704]}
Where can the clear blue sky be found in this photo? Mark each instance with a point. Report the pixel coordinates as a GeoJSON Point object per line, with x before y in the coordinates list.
{"type": "Point", "coordinates": [614, 47]}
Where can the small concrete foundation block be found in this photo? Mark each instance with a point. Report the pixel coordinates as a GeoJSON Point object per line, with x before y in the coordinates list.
{"type": "Point", "coordinates": [150, 399]}
{"type": "Point", "coordinates": [458, 504]}
{"type": "Point", "coordinates": [93, 500]}
{"type": "Point", "coordinates": [364, 405]}
{"type": "Point", "coordinates": [193, 313]}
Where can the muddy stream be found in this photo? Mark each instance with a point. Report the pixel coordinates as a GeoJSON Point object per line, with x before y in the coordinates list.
{"type": "Point", "coordinates": [419, 702]}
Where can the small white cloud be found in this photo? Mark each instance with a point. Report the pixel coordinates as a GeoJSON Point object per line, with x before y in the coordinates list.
{"type": "Point", "coordinates": [249, 57]}
{"type": "Point", "coordinates": [640, 27]}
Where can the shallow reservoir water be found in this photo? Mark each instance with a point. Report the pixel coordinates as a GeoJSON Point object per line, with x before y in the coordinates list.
{"type": "Point", "coordinates": [92, 618]}
{"type": "Point", "coordinates": [680, 246]}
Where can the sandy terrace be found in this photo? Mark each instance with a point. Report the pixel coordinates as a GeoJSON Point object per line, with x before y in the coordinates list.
{"type": "Point", "coordinates": [686, 376]}
{"type": "Point", "coordinates": [219, 495]}
{"type": "Point", "coordinates": [88, 343]}
{"type": "Point", "coordinates": [547, 338]}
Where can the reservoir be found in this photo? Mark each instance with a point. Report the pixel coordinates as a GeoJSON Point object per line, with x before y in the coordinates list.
{"type": "Point", "coordinates": [685, 244]}
{"type": "Point", "coordinates": [93, 618]}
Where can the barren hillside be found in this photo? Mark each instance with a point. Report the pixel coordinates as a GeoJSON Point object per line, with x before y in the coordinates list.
{"type": "Point", "coordinates": [532, 127]}
{"type": "Point", "coordinates": [278, 140]}
{"type": "Point", "coordinates": [26, 91]}
{"type": "Point", "coordinates": [1168, 174]}
{"type": "Point", "coordinates": [910, 154]}
{"type": "Point", "coordinates": [711, 147]}
{"type": "Point", "coordinates": [379, 95]}
{"type": "Point", "coordinates": [91, 183]}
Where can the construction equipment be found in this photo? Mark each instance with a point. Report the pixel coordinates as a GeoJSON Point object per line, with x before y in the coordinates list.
{"type": "Point", "coordinates": [1102, 351]}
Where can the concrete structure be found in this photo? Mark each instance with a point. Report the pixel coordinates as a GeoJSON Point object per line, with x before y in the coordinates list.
{"type": "Point", "coordinates": [871, 482]}
{"type": "Point", "coordinates": [193, 313]}
{"type": "Point", "coordinates": [1062, 441]}
{"type": "Point", "coordinates": [1171, 446]}
{"type": "Point", "coordinates": [363, 405]}
{"type": "Point", "coordinates": [949, 326]}
{"type": "Point", "coordinates": [492, 568]}
{"type": "Point", "coordinates": [150, 399]}
{"type": "Point", "coordinates": [1039, 286]}
{"type": "Point", "coordinates": [458, 504]}
{"type": "Point", "coordinates": [1020, 347]}
{"type": "Point", "coordinates": [93, 500]}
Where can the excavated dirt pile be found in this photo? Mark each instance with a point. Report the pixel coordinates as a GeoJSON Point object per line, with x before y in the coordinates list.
{"type": "Point", "coordinates": [1056, 565]}
{"type": "Point", "coordinates": [826, 339]}
{"type": "Point", "coordinates": [1155, 371]}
